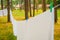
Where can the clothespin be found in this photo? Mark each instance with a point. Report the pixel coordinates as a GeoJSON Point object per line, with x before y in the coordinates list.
{"type": "Point", "coordinates": [51, 6]}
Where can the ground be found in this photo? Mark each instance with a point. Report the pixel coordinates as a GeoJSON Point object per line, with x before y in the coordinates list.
{"type": "Point", "coordinates": [57, 31]}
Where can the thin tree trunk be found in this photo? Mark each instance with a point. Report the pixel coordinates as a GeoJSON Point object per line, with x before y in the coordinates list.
{"type": "Point", "coordinates": [44, 5]}
{"type": "Point", "coordinates": [11, 4]}
{"type": "Point", "coordinates": [36, 5]}
{"type": "Point", "coordinates": [26, 9]}
{"type": "Point", "coordinates": [30, 8]}
{"type": "Point", "coordinates": [34, 8]}
{"type": "Point", "coordinates": [8, 8]}
{"type": "Point", "coordinates": [2, 7]}
{"type": "Point", "coordinates": [55, 11]}
{"type": "Point", "coordinates": [1, 4]}
{"type": "Point", "coordinates": [21, 6]}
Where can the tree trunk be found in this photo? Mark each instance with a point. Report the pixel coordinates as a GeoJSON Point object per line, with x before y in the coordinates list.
{"type": "Point", "coordinates": [55, 11]}
{"type": "Point", "coordinates": [11, 4]}
{"type": "Point", "coordinates": [36, 5]}
{"type": "Point", "coordinates": [44, 5]}
{"type": "Point", "coordinates": [34, 8]}
{"type": "Point", "coordinates": [1, 4]}
{"type": "Point", "coordinates": [8, 8]}
{"type": "Point", "coordinates": [21, 5]}
{"type": "Point", "coordinates": [30, 8]}
{"type": "Point", "coordinates": [26, 9]}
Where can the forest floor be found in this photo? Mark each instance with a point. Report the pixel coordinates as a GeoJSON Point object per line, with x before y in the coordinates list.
{"type": "Point", "coordinates": [57, 30]}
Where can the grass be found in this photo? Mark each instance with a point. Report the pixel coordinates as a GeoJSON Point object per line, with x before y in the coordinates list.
{"type": "Point", "coordinates": [3, 19]}
{"type": "Point", "coordinates": [20, 14]}
{"type": "Point", "coordinates": [57, 27]}
{"type": "Point", "coordinates": [6, 30]}
{"type": "Point", "coordinates": [58, 11]}
{"type": "Point", "coordinates": [57, 31]}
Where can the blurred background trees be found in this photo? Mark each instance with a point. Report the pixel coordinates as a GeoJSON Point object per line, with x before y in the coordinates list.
{"type": "Point", "coordinates": [58, 1]}
{"type": "Point", "coordinates": [20, 3]}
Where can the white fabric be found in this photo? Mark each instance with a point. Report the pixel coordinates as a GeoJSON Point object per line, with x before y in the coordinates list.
{"type": "Point", "coordinates": [40, 27]}
{"type": "Point", "coordinates": [14, 24]}
{"type": "Point", "coordinates": [3, 12]}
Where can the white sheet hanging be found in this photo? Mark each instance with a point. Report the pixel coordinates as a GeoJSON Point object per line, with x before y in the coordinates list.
{"type": "Point", "coordinates": [40, 27]}
{"type": "Point", "coordinates": [3, 12]}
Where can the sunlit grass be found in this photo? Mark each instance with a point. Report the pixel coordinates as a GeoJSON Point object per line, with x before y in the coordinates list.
{"type": "Point", "coordinates": [6, 32]}
{"type": "Point", "coordinates": [58, 11]}
{"type": "Point", "coordinates": [57, 31]}
{"type": "Point", "coordinates": [3, 19]}
{"type": "Point", "coordinates": [20, 14]}
{"type": "Point", "coordinates": [57, 27]}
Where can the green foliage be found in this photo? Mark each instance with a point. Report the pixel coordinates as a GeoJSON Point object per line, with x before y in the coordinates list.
{"type": "Point", "coordinates": [19, 1]}
{"type": "Point", "coordinates": [48, 2]}
{"type": "Point", "coordinates": [39, 1]}
{"type": "Point", "coordinates": [58, 1]}
{"type": "Point", "coordinates": [14, 2]}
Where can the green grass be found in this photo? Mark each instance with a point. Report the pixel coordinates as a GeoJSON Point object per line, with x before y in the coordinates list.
{"type": "Point", "coordinates": [6, 32]}
{"type": "Point", "coordinates": [58, 13]}
{"type": "Point", "coordinates": [20, 14]}
{"type": "Point", "coordinates": [57, 31]}
{"type": "Point", "coordinates": [3, 19]}
{"type": "Point", "coordinates": [57, 27]}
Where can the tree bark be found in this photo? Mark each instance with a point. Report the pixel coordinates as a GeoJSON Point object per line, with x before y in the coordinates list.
{"type": "Point", "coordinates": [34, 8]}
{"type": "Point", "coordinates": [8, 8]}
{"type": "Point", "coordinates": [30, 8]}
{"type": "Point", "coordinates": [11, 5]}
{"type": "Point", "coordinates": [44, 5]}
{"type": "Point", "coordinates": [20, 4]}
{"type": "Point", "coordinates": [1, 4]}
{"type": "Point", "coordinates": [26, 9]}
{"type": "Point", "coordinates": [55, 11]}
{"type": "Point", "coordinates": [36, 5]}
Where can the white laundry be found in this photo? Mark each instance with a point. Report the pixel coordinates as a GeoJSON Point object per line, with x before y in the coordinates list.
{"type": "Point", "coordinates": [3, 12]}
{"type": "Point", "coordinates": [40, 27]}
